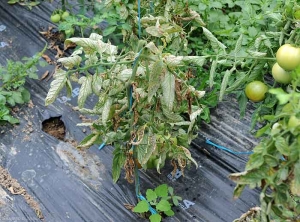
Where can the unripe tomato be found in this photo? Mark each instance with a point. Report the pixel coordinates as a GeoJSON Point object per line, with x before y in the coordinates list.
{"type": "Point", "coordinates": [55, 18]}
{"type": "Point", "coordinates": [64, 15]}
{"type": "Point", "coordinates": [280, 75]}
{"type": "Point", "coordinates": [288, 57]}
{"type": "Point", "coordinates": [256, 90]}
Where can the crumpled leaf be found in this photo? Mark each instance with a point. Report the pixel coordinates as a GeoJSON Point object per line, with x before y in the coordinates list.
{"type": "Point", "coordinates": [168, 88]}
{"type": "Point", "coordinates": [60, 78]}
{"type": "Point", "coordinates": [85, 89]}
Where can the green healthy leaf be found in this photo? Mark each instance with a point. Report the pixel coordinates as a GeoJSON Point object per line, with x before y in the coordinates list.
{"type": "Point", "coordinates": [155, 218]}
{"type": "Point", "coordinates": [17, 97]}
{"type": "Point", "coordinates": [151, 195]}
{"type": "Point", "coordinates": [141, 207]}
{"type": "Point", "coordinates": [60, 78]}
{"type": "Point", "coordinates": [25, 96]}
{"type": "Point", "coordinates": [163, 205]}
{"type": "Point", "coordinates": [271, 160]}
{"type": "Point", "coordinates": [118, 163]}
{"type": "Point", "coordinates": [168, 88]}
{"type": "Point", "coordinates": [282, 146]}
{"type": "Point", "coordinates": [169, 213]}
{"type": "Point", "coordinates": [85, 89]}
{"type": "Point", "coordinates": [162, 190]}
{"type": "Point", "coordinates": [255, 161]}
{"type": "Point", "coordinates": [281, 95]}
{"type": "Point", "coordinates": [242, 100]}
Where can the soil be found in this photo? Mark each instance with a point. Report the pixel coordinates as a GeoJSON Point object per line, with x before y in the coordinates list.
{"type": "Point", "coordinates": [54, 127]}
{"type": "Point", "coordinates": [12, 185]}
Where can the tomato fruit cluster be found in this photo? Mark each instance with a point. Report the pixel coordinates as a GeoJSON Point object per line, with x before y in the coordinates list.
{"type": "Point", "coordinates": [58, 16]}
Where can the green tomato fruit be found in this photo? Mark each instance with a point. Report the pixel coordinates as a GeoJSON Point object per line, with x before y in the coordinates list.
{"type": "Point", "coordinates": [288, 57]}
{"type": "Point", "coordinates": [55, 18]}
{"type": "Point", "coordinates": [65, 15]}
{"type": "Point", "coordinates": [256, 90]}
{"type": "Point", "coordinates": [280, 75]}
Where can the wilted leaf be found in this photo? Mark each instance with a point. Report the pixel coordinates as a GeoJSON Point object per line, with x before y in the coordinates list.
{"type": "Point", "coordinates": [168, 88]}
{"type": "Point", "coordinates": [60, 78]}
{"type": "Point", "coordinates": [85, 89]}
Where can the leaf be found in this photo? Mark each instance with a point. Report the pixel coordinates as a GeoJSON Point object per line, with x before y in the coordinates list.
{"type": "Point", "coordinates": [150, 139]}
{"type": "Point", "coordinates": [282, 146]}
{"type": "Point", "coordinates": [281, 95]}
{"type": "Point", "coordinates": [70, 62]}
{"type": "Point", "coordinates": [168, 88]}
{"type": "Point", "coordinates": [150, 195]}
{"type": "Point", "coordinates": [157, 70]}
{"type": "Point", "coordinates": [17, 97]}
{"type": "Point", "coordinates": [155, 218]}
{"type": "Point", "coordinates": [169, 213]}
{"type": "Point", "coordinates": [106, 110]}
{"type": "Point", "coordinates": [118, 162]}
{"type": "Point", "coordinates": [25, 95]}
{"type": "Point", "coordinates": [257, 54]}
{"type": "Point", "coordinates": [214, 41]}
{"type": "Point", "coordinates": [212, 73]}
{"type": "Point", "coordinates": [162, 190]}
{"type": "Point", "coordinates": [295, 184]}
{"type": "Point", "coordinates": [255, 161]}
{"type": "Point", "coordinates": [224, 84]}
{"type": "Point", "coordinates": [60, 78]}
{"type": "Point", "coordinates": [109, 30]}
{"type": "Point", "coordinates": [238, 45]}
{"type": "Point", "coordinates": [88, 141]}
{"type": "Point", "coordinates": [163, 205]}
{"type": "Point", "coordinates": [242, 100]}
{"type": "Point", "coordinates": [69, 88]}
{"type": "Point", "coordinates": [97, 84]}
{"type": "Point", "coordinates": [85, 89]}
{"type": "Point", "coordinates": [188, 155]}
{"type": "Point", "coordinates": [238, 191]}
{"type": "Point", "coordinates": [141, 207]}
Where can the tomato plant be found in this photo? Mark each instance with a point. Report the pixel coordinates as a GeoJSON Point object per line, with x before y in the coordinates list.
{"type": "Point", "coordinates": [288, 57]}
{"type": "Point", "coordinates": [280, 75]}
{"type": "Point", "coordinates": [256, 90]}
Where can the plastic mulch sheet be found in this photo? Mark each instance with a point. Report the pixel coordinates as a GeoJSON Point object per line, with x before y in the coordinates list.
{"type": "Point", "coordinates": [65, 184]}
